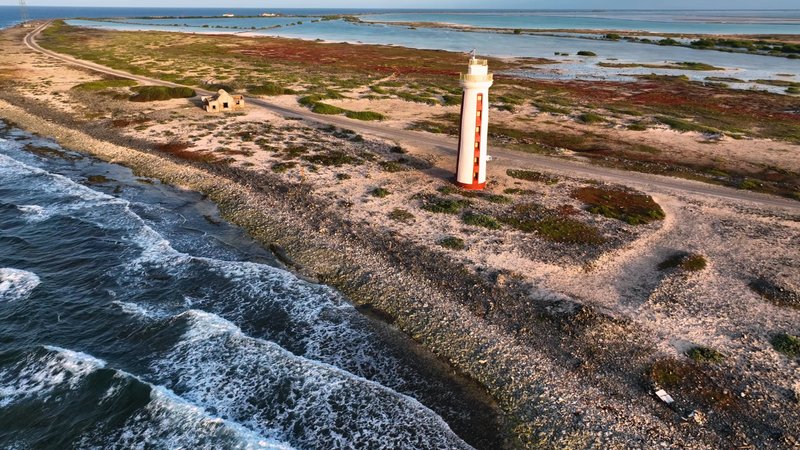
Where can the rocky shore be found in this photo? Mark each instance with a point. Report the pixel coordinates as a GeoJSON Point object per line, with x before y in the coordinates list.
{"type": "Point", "coordinates": [564, 374]}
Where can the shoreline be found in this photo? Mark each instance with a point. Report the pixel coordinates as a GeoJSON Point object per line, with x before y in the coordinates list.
{"type": "Point", "coordinates": [513, 376]}
{"type": "Point", "coordinates": [550, 359]}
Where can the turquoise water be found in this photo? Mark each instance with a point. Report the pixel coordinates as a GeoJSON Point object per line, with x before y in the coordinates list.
{"type": "Point", "coordinates": [744, 66]}
{"type": "Point", "coordinates": [700, 22]}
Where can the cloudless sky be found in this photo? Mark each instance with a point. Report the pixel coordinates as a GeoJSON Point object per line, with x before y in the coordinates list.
{"type": "Point", "coordinates": [442, 4]}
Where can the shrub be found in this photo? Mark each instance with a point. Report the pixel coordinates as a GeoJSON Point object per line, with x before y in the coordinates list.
{"type": "Point", "coordinates": [380, 192]}
{"type": "Point", "coordinates": [452, 243]}
{"type": "Point", "coordinates": [364, 115]}
{"type": "Point", "coordinates": [324, 108]}
{"type": "Point", "coordinates": [586, 53]}
{"type": "Point", "coordinates": [480, 220]}
{"type": "Point", "coordinates": [684, 261]}
{"type": "Point", "coordinates": [775, 293]}
{"type": "Point", "coordinates": [590, 118]}
{"type": "Point", "coordinates": [269, 89]}
{"type": "Point", "coordinates": [532, 218]}
{"type": "Point", "coordinates": [392, 166]}
{"type": "Point", "coordinates": [332, 158]}
{"type": "Point", "coordinates": [613, 36]}
{"type": "Point", "coordinates": [161, 93]}
{"type": "Point", "coordinates": [683, 125]}
{"type": "Point", "coordinates": [787, 344]}
{"type": "Point", "coordinates": [630, 207]}
{"type": "Point", "coordinates": [443, 205]}
{"type": "Point", "coordinates": [282, 167]}
{"type": "Point", "coordinates": [343, 176]}
{"type": "Point", "coordinates": [530, 175]}
{"type": "Point", "coordinates": [401, 215]}
{"type": "Point", "coordinates": [105, 84]}
{"type": "Point", "coordinates": [705, 354]}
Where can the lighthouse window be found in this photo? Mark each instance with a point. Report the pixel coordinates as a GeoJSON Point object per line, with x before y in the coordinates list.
{"type": "Point", "coordinates": [479, 113]}
{"type": "Point", "coordinates": [477, 144]}
{"type": "Point", "coordinates": [480, 97]}
{"type": "Point", "coordinates": [477, 129]}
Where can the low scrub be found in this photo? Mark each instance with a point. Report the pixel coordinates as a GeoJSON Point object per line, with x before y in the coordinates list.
{"type": "Point", "coordinates": [684, 261]}
{"type": "Point", "coordinates": [705, 355]}
{"type": "Point", "coordinates": [530, 175]}
{"type": "Point", "coordinates": [269, 89]}
{"type": "Point", "coordinates": [684, 126]}
{"type": "Point", "coordinates": [627, 206]}
{"type": "Point", "coordinates": [401, 215]}
{"type": "Point", "coordinates": [480, 220]}
{"type": "Point", "coordinates": [452, 243]}
{"type": "Point", "coordinates": [787, 344]}
{"type": "Point", "coordinates": [441, 205]}
{"type": "Point", "coordinates": [380, 192]}
{"type": "Point", "coordinates": [161, 93]}
{"type": "Point", "coordinates": [105, 84]}
{"type": "Point", "coordinates": [364, 115]}
{"type": "Point", "coordinates": [533, 218]}
{"type": "Point", "coordinates": [335, 158]}
{"type": "Point", "coordinates": [586, 53]}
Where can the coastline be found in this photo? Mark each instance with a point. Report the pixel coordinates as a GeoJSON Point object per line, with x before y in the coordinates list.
{"type": "Point", "coordinates": [529, 351]}
{"type": "Point", "coordinates": [535, 394]}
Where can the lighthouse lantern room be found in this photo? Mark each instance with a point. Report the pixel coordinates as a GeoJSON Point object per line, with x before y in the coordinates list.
{"type": "Point", "coordinates": [471, 165]}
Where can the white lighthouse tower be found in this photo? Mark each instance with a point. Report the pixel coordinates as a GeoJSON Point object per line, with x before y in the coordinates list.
{"type": "Point", "coordinates": [471, 166]}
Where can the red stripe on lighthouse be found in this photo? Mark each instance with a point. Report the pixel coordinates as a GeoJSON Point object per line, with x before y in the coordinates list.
{"type": "Point", "coordinates": [476, 167]}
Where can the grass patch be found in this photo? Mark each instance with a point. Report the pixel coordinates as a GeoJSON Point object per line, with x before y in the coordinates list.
{"type": "Point", "coordinates": [530, 175]}
{"type": "Point", "coordinates": [630, 207]}
{"type": "Point", "coordinates": [452, 243]}
{"type": "Point", "coordinates": [532, 218]}
{"type": "Point", "coordinates": [401, 215]}
{"type": "Point", "coordinates": [283, 167]}
{"type": "Point", "coordinates": [364, 115]}
{"type": "Point", "coordinates": [705, 355]}
{"type": "Point", "coordinates": [105, 84]}
{"type": "Point", "coordinates": [586, 53]}
{"type": "Point", "coordinates": [161, 93]}
{"type": "Point", "coordinates": [480, 220]}
{"type": "Point", "coordinates": [689, 381]}
{"type": "Point", "coordinates": [786, 344]}
{"type": "Point", "coordinates": [441, 205]}
{"type": "Point", "coordinates": [392, 166]}
{"type": "Point", "coordinates": [684, 261]}
{"type": "Point", "coordinates": [332, 158]}
{"type": "Point", "coordinates": [590, 118]}
{"type": "Point", "coordinates": [324, 108]}
{"type": "Point", "coordinates": [380, 192]}
{"type": "Point", "coordinates": [684, 126]}
{"type": "Point", "coordinates": [269, 89]}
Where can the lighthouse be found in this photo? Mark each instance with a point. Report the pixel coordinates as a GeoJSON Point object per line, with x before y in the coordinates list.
{"type": "Point", "coordinates": [471, 166]}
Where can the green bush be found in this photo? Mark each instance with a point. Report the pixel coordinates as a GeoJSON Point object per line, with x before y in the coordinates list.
{"type": "Point", "coordinates": [480, 220]}
{"type": "Point", "coordinates": [443, 205]}
{"type": "Point", "coordinates": [590, 118]}
{"type": "Point", "coordinates": [453, 243]}
{"type": "Point", "coordinates": [161, 93]}
{"type": "Point", "coordinates": [530, 175]}
{"type": "Point", "coordinates": [401, 215]}
{"type": "Point", "coordinates": [324, 108]}
{"type": "Point", "coordinates": [364, 115]}
{"type": "Point", "coordinates": [380, 192]}
{"type": "Point", "coordinates": [105, 84]}
{"type": "Point", "coordinates": [269, 89]}
{"type": "Point", "coordinates": [282, 167]}
{"type": "Point", "coordinates": [586, 53]}
{"type": "Point", "coordinates": [787, 344]}
{"type": "Point", "coordinates": [705, 354]}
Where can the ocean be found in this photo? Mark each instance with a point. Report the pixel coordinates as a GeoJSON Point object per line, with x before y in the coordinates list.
{"type": "Point", "coordinates": [133, 316]}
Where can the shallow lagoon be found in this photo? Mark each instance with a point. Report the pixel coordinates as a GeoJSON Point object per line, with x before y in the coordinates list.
{"type": "Point", "coordinates": [743, 66]}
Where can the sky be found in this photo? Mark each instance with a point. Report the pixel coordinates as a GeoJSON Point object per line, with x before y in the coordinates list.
{"type": "Point", "coordinates": [441, 4]}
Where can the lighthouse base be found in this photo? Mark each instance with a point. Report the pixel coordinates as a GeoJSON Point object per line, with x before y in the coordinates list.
{"type": "Point", "coordinates": [471, 187]}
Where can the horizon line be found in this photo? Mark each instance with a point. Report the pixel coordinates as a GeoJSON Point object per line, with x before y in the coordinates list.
{"type": "Point", "coordinates": [414, 9]}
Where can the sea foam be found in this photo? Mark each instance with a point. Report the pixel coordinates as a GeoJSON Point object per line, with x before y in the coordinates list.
{"type": "Point", "coordinates": [17, 284]}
